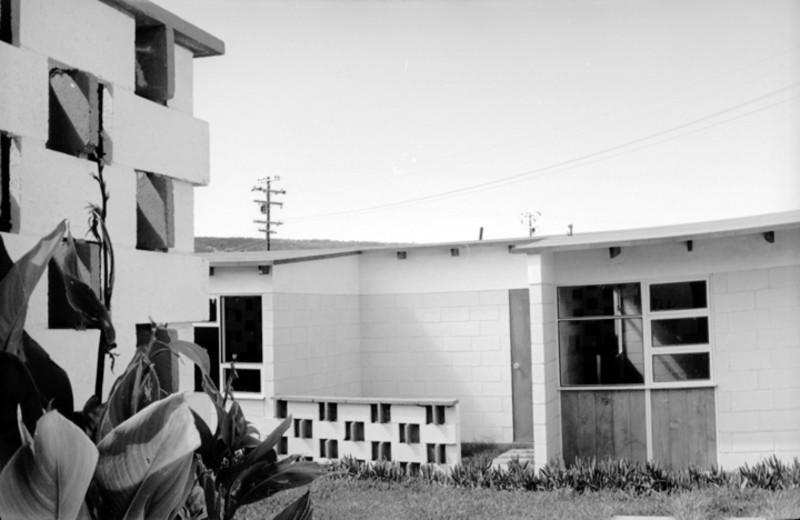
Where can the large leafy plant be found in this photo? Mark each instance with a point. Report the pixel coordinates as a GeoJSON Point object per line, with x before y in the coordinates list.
{"type": "Point", "coordinates": [143, 453]}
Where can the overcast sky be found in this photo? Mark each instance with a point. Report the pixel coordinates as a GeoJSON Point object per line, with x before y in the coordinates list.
{"type": "Point", "coordinates": [425, 120]}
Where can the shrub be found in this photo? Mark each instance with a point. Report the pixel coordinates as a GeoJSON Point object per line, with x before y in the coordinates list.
{"type": "Point", "coordinates": [142, 453]}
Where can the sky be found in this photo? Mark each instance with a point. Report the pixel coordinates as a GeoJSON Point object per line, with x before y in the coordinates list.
{"type": "Point", "coordinates": [423, 121]}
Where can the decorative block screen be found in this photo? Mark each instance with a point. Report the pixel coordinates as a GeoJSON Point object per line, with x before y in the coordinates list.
{"type": "Point", "coordinates": [408, 431]}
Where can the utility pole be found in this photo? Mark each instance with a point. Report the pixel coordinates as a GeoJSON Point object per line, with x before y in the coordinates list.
{"type": "Point", "coordinates": [531, 218]}
{"type": "Point", "coordinates": [265, 205]}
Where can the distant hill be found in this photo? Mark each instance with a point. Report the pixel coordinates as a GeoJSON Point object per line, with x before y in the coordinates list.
{"type": "Point", "coordinates": [212, 244]}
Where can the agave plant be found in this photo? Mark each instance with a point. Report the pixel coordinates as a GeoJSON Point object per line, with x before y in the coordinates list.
{"type": "Point", "coordinates": [143, 453]}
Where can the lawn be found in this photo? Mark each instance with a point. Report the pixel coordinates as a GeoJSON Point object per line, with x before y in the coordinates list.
{"type": "Point", "coordinates": [335, 498]}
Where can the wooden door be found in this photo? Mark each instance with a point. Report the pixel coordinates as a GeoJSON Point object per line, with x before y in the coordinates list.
{"type": "Point", "coordinates": [521, 382]}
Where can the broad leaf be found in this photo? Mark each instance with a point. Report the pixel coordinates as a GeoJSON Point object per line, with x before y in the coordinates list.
{"type": "Point", "coordinates": [48, 478]}
{"type": "Point", "coordinates": [146, 461]}
{"type": "Point", "coordinates": [17, 392]}
{"type": "Point", "coordinates": [195, 353]}
{"type": "Point", "coordinates": [75, 280]}
{"type": "Point", "coordinates": [300, 509]}
{"type": "Point", "coordinates": [16, 288]}
{"type": "Point", "coordinates": [266, 479]}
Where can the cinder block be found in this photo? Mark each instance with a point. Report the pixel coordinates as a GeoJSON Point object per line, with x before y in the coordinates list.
{"type": "Point", "coordinates": [739, 341]}
{"type": "Point", "coordinates": [180, 152]}
{"type": "Point", "coordinates": [785, 337]}
{"type": "Point", "coordinates": [787, 398]}
{"type": "Point", "coordinates": [786, 276]}
{"type": "Point", "coordinates": [749, 400]}
{"type": "Point", "coordinates": [780, 297]}
{"type": "Point", "coordinates": [748, 280]}
{"type": "Point", "coordinates": [737, 422]}
{"type": "Point", "coordinates": [23, 93]}
{"type": "Point", "coordinates": [748, 360]}
{"type": "Point", "coordinates": [155, 211]}
{"type": "Point", "coordinates": [737, 301]}
{"type": "Point", "coordinates": [86, 34]}
{"type": "Point", "coordinates": [484, 313]}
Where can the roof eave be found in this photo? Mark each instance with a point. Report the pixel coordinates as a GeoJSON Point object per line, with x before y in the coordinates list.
{"type": "Point", "coordinates": [187, 35]}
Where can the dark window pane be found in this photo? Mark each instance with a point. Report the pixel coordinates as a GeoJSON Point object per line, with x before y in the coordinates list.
{"type": "Point", "coordinates": [680, 331]}
{"type": "Point", "coordinates": [242, 325]}
{"type": "Point", "coordinates": [682, 295]}
{"type": "Point", "coordinates": [601, 352]}
{"type": "Point", "coordinates": [212, 309]}
{"type": "Point", "coordinates": [247, 379]}
{"type": "Point", "coordinates": [599, 300]}
{"type": "Point", "coordinates": [208, 338]}
{"type": "Point", "coordinates": [680, 367]}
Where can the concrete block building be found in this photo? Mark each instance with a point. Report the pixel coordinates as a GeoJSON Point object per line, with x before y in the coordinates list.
{"type": "Point", "coordinates": [679, 344]}
{"type": "Point", "coordinates": [85, 79]}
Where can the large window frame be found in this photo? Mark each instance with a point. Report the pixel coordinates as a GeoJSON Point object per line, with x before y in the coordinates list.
{"type": "Point", "coordinates": [648, 316]}
{"type": "Point", "coordinates": [217, 300]}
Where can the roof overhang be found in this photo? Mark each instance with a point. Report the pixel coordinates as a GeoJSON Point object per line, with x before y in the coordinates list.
{"type": "Point", "coordinates": [663, 234]}
{"type": "Point", "coordinates": [148, 14]}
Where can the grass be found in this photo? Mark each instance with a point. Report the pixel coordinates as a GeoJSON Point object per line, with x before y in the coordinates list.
{"type": "Point", "coordinates": [353, 499]}
{"type": "Point", "coordinates": [365, 495]}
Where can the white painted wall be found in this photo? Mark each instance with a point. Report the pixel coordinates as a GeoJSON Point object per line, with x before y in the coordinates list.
{"type": "Point", "coordinates": [183, 99]}
{"type": "Point", "coordinates": [178, 149]}
{"type": "Point", "coordinates": [85, 34]}
{"type": "Point", "coordinates": [316, 315]}
{"type": "Point", "coordinates": [23, 92]}
{"type": "Point", "coordinates": [50, 186]}
{"type": "Point", "coordinates": [755, 330]}
{"type": "Point", "coordinates": [427, 270]}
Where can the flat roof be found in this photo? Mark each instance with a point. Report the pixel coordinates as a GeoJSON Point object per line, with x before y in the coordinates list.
{"type": "Point", "coordinates": [187, 35]}
{"type": "Point", "coordinates": [249, 258]}
{"type": "Point", "coordinates": [672, 233]}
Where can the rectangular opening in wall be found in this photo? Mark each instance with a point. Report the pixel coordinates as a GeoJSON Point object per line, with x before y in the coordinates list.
{"type": "Point", "coordinates": [247, 379]}
{"type": "Point", "coordinates": [155, 63]}
{"type": "Point", "coordinates": [7, 202]}
{"type": "Point", "coordinates": [212, 309]}
{"type": "Point", "coordinates": [412, 433]}
{"type": "Point", "coordinates": [375, 450]}
{"type": "Point", "coordinates": [87, 262]}
{"type": "Point", "coordinates": [75, 120]}
{"type": "Point", "coordinates": [439, 414]}
{"type": "Point", "coordinates": [283, 446]}
{"type": "Point", "coordinates": [441, 453]}
{"type": "Point", "coordinates": [384, 413]}
{"type": "Point", "coordinates": [358, 431]}
{"type": "Point", "coordinates": [155, 212]}
{"type": "Point", "coordinates": [430, 451]}
{"type": "Point", "coordinates": [401, 432]}
{"type": "Point", "coordinates": [599, 300]}
{"type": "Point", "coordinates": [298, 429]}
{"type": "Point", "coordinates": [208, 338]}
{"type": "Point", "coordinates": [322, 451]}
{"type": "Point", "coordinates": [281, 409]}
{"type": "Point", "coordinates": [242, 329]}
{"type": "Point", "coordinates": [308, 429]}
{"type": "Point", "coordinates": [165, 362]}
{"type": "Point", "coordinates": [386, 451]}
{"type": "Point", "coordinates": [331, 411]}
{"type": "Point", "coordinates": [332, 449]}
{"type": "Point", "coordinates": [8, 21]}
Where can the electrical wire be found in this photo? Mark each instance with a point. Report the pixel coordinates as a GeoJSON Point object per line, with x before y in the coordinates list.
{"type": "Point", "coordinates": [570, 163]}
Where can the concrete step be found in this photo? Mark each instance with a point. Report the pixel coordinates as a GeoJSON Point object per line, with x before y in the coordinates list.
{"type": "Point", "coordinates": [523, 455]}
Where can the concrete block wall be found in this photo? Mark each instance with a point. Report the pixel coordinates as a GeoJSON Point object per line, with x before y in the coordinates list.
{"type": "Point", "coordinates": [316, 344]}
{"type": "Point", "coordinates": [447, 344]}
{"type": "Point", "coordinates": [544, 358]}
{"type": "Point", "coordinates": [48, 186]}
{"type": "Point", "coordinates": [757, 360]}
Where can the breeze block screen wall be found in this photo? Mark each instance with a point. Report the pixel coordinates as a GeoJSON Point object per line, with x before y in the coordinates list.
{"type": "Point", "coordinates": [411, 432]}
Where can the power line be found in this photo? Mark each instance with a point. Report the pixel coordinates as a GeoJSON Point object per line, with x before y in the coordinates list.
{"type": "Point", "coordinates": [573, 162]}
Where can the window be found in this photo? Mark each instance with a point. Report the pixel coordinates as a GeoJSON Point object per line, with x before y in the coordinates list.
{"type": "Point", "coordinates": [680, 332]}
{"type": "Point", "coordinates": [242, 341]}
{"type": "Point", "coordinates": [75, 123]}
{"type": "Point", "coordinates": [606, 336]}
{"type": "Point", "coordinates": [8, 21]}
{"type": "Point", "coordinates": [155, 63]}
{"type": "Point", "coordinates": [7, 203]}
{"type": "Point", "coordinates": [60, 314]}
{"type": "Point", "coordinates": [600, 335]}
{"type": "Point", "coordinates": [155, 212]}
